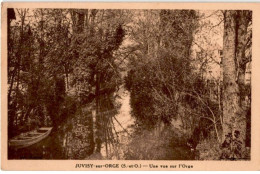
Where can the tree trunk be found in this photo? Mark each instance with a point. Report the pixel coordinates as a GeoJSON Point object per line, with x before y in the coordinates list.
{"type": "Point", "coordinates": [231, 99]}
{"type": "Point", "coordinates": [243, 17]}
{"type": "Point", "coordinates": [242, 25]}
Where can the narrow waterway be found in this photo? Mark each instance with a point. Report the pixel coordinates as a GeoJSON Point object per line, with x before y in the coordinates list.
{"type": "Point", "coordinates": [74, 140]}
{"type": "Point", "coordinates": [123, 123]}
{"type": "Point", "coordinates": [64, 143]}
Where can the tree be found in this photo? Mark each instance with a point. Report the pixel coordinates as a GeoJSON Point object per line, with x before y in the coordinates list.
{"type": "Point", "coordinates": [14, 70]}
{"type": "Point", "coordinates": [160, 64]}
{"type": "Point", "coordinates": [234, 61]}
{"type": "Point", "coordinates": [97, 35]}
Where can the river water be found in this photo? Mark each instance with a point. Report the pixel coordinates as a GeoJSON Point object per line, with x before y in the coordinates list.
{"type": "Point", "coordinates": [72, 140]}
{"type": "Point", "coordinates": [123, 123]}
{"type": "Point", "coordinates": [64, 144]}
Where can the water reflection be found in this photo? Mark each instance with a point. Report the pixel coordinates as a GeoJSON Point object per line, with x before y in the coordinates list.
{"type": "Point", "coordinates": [74, 138]}
{"type": "Point", "coordinates": [122, 127]}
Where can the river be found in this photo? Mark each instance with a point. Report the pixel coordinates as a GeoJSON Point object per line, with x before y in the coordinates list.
{"type": "Point", "coordinates": [64, 144]}
{"type": "Point", "coordinates": [72, 140]}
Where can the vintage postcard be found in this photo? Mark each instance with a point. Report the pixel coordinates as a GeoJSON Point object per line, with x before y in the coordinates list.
{"type": "Point", "coordinates": [130, 86]}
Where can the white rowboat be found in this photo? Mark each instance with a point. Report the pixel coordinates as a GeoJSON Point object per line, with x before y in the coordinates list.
{"type": "Point", "coordinates": [29, 138]}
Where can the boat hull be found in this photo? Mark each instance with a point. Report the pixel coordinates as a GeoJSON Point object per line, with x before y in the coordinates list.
{"type": "Point", "coordinates": [26, 141]}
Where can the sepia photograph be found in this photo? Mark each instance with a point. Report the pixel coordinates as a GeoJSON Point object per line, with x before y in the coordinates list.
{"type": "Point", "coordinates": [128, 84]}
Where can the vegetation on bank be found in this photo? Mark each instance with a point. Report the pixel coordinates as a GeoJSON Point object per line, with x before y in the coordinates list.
{"type": "Point", "coordinates": [65, 68]}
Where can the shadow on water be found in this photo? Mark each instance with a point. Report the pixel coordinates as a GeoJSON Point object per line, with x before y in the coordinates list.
{"type": "Point", "coordinates": [72, 140]}
{"type": "Point", "coordinates": [48, 148]}
{"type": "Point", "coordinates": [52, 148]}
